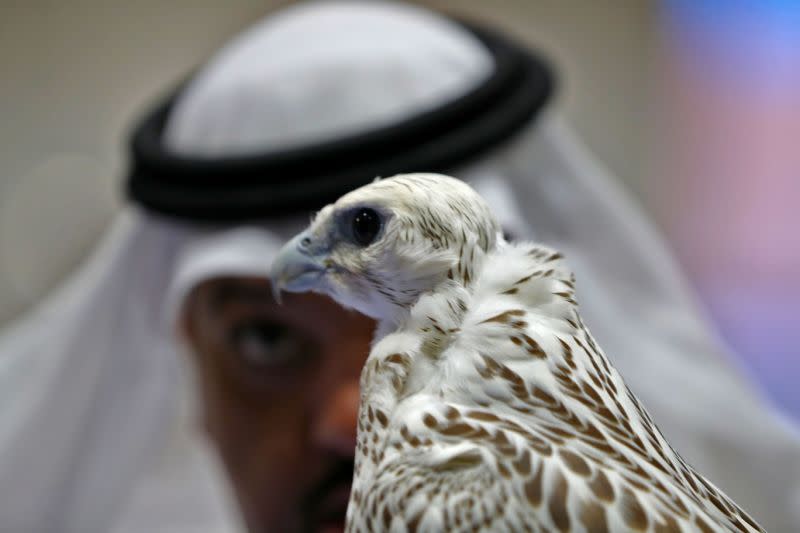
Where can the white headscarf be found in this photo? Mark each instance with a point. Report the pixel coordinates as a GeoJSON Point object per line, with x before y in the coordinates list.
{"type": "Point", "coordinates": [97, 427]}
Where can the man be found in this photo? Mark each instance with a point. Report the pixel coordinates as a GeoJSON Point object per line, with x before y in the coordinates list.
{"type": "Point", "coordinates": [97, 431]}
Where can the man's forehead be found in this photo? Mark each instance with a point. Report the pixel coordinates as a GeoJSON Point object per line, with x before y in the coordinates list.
{"type": "Point", "coordinates": [227, 290]}
{"type": "Point", "coordinates": [224, 290]}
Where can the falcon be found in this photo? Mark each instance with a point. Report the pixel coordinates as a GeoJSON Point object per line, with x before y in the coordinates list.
{"type": "Point", "coordinates": [486, 405]}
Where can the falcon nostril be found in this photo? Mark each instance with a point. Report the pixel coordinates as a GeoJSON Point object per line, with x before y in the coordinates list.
{"type": "Point", "coordinates": [508, 235]}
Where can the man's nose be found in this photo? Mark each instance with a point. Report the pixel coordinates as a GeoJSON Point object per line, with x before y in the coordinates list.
{"type": "Point", "coordinates": [335, 428]}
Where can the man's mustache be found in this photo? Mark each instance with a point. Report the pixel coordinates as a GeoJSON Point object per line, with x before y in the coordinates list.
{"type": "Point", "coordinates": [339, 475]}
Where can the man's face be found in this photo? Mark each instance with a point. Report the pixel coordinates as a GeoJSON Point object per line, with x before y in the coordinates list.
{"type": "Point", "coordinates": [279, 385]}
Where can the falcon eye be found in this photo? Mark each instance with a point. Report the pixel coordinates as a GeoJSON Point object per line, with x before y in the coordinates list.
{"type": "Point", "coordinates": [365, 225]}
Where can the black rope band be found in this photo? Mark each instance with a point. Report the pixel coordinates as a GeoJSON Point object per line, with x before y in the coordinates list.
{"type": "Point", "coordinates": [305, 179]}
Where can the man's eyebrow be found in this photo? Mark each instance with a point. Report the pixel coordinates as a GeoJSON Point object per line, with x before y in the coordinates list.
{"type": "Point", "coordinates": [229, 291]}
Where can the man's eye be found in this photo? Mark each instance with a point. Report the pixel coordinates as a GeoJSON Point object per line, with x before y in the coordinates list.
{"type": "Point", "coordinates": [265, 344]}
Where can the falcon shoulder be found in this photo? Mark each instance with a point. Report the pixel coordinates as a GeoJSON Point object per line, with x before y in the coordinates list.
{"type": "Point", "coordinates": [493, 409]}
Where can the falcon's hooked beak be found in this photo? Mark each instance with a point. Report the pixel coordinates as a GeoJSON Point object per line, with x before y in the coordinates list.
{"type": "Point", "coordinates": [297, 267]}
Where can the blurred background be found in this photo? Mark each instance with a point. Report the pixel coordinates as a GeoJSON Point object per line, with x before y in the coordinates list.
{"type": "Point", "coordinates": [693, 104]}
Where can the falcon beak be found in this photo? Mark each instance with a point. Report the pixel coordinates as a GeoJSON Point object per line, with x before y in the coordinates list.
{"type": "Point", "coordinates": [296, 268]}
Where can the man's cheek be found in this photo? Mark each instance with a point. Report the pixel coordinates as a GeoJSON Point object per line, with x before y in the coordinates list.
{"type": "Point", "coordinates": [271, 472]}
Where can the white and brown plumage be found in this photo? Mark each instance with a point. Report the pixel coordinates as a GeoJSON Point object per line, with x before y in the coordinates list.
{"type": "Point", "coordinates": [485, 403]}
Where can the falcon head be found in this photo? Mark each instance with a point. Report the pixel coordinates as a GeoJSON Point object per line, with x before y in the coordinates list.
{"type": "Point", "coordinates": [378, 248]}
